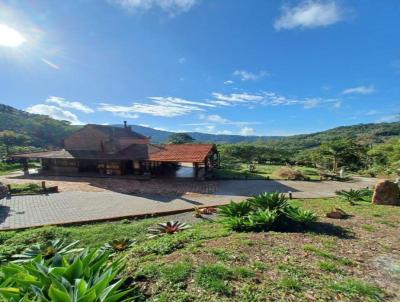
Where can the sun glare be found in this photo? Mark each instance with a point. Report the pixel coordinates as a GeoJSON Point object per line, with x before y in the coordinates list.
{"type": "Point", "coordinates": [10, 37]}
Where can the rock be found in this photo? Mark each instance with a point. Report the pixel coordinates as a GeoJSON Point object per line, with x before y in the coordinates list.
{"type": "Point", "coordinates": [3, 190]}
{"type": "Point", "coordinates": [387, 193]}
{"type": "Point", "coordinates": [337, 214]}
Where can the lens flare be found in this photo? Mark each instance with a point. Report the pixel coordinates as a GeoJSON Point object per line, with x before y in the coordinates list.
{"type": "Point", "coordinates": [9, 37]}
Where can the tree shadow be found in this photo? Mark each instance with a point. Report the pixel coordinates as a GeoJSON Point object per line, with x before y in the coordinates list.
{"type": "Point", "coordinates": [320, 228]}
{"type": "Point", "coordinates": [4, 213]}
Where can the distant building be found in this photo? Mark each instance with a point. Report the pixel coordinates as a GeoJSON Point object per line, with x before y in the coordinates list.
{"type": "Point", "coordinates": [120, 151]}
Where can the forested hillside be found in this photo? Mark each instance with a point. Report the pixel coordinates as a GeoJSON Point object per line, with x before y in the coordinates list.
{"type": "Point", "coordinates": [23, 131]}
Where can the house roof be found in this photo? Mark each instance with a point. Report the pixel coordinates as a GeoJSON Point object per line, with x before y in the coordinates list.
{"type": "Point", "coordinates": [117, 132]}
{"type": "Point", "coordinates": [163, 153]}
{"type": "Point", "coordinates": [190, 153]}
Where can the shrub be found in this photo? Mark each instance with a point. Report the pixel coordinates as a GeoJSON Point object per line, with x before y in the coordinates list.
{"type": "Point", "coordinates": [87, 277]}
{"type": "Point", "coordinates": [289, 173]}
{"type": "Point", "coordinates": [264, 212]}
{"type": "Point", "coordinates": [352, 196]}
{"type": "Point", "coordinates": [47, 250]}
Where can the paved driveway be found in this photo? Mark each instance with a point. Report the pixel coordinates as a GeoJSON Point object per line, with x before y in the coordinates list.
{"type": "Point", "coordinates": [68, 207]}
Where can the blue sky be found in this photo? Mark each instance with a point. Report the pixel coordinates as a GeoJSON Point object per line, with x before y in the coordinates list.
{"type": "Point", "coordinates": [250, 67]}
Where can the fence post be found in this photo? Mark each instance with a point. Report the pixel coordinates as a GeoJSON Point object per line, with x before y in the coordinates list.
{"type": "Point", "coordinates": [44, 185]}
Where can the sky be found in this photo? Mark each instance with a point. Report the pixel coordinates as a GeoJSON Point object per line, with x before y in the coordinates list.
{"type": "Point", "coordinates": [249, 67]}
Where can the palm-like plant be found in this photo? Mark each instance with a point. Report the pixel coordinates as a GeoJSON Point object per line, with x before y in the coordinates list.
{"type": "Point", "coordinates": [300, 216]}
{"type": "Point", "coordinates": [170, 227]}
{"type": "Point", "coordinates": [235, 209]}
{"type": "Point", "coordinates": [119, 245]}
{"type": "Point", "coordinates": [87, 277]}
{"type": "Point", "coordinates": [47, 250]}
{"type": "Point", "coordinates": [352, 196]}
{"type": "Point", "coordinates": [269, 201]}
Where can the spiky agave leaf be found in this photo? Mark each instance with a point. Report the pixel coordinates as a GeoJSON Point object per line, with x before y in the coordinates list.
{"type": "Point", "coordinates": [300, 216]}
{"type": "Point", "coordinates": [170, 227]}
{"type": "Point", "coordinates": [47, 250]}
{"type": "Point", "coordinates": [235, 209]}
{"type": "Point", "coordinates": [271, 201]}
{"type": "Point", "coordinates": [352, 195]}
{"type": "Point", "coordinates": [119, 245]}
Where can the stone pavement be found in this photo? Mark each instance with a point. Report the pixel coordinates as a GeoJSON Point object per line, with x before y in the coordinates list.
{"type": "Point", "coordinates": [68, 207]}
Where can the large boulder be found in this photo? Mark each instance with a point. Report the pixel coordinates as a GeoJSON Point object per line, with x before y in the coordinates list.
{"type": "Point", "coordinates": [3, 190]}
{"type": "Point", "coordinates": [386, 192]}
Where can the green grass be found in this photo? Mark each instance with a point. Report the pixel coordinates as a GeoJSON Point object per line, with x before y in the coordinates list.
{"type": "Point", "coordinates": [7, 168]}
{"type": "Point", "coordinates": [176, 273]}
{"type": "Point", "coordinates": [209, 263]}
{"type": "Point", "coordinates": [328, 266]}
{"type": "Point", "coordinates": [20, 189]}
{"type": "Point", "coordinates": [241, 171]}
{"type": "Point", "coordinates": [355, 288]}
{"type": "Point", "coordinates": [215, 277]}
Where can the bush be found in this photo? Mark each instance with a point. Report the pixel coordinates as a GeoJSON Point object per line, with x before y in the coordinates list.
{"type": "Point", "coordinates": [290, 174]}
{"type": "Point", "coordinates": [264, 212]}
{"type": "Point", "coordinates": [86, 277]}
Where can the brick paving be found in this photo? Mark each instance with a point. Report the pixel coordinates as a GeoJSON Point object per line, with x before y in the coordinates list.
{"type": "Point", "coordinates": [74, 206]}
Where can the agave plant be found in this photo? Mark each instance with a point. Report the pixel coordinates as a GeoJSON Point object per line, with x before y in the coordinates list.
{"type": "Point", "coordinates": [87, 277]}
{"type": "Point", "coordinates": [47, 250]}
{"type": "Point", "coordinates": [119, 245]}
{"type": "Point", "coordinates": [298, 215]}
{"type": "Point", "coordinates": [170, 227]}
{"type": "Point", "coordinates": [269, 201]}
{"type": "Point", "coordinates": [353, 195]}
{"type": "Point", "coordinates": [235, 209]}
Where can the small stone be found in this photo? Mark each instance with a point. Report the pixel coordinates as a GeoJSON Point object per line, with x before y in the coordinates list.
{"type": "Point", "coordinates": [386, 193]}
{"type": "Point", "coordinates": [337, 214]}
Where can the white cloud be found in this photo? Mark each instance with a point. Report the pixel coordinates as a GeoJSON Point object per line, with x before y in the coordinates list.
{"type": "Point", "coordinates": [247, 75]}
{"type": "Point", "coordinates": [173, 7]}
{"type": "Point", "coordinates": [247, 131]}
{"type": "Point", "coordinates": [51, 64]}
{"type": "Point", "coordinates": [228, 82]}
{"type": "Point", "coordinates": [267, 98]}
{"type": "Point", "coordinates": [309, 14]}
{"type": "Point", "coordinates": [55, 112]}
{"type": "Point", "coordinates": [360, 90]}
{"type": "Point", "coordinates": [389, 118]}
{"type": "Point", "coordinates": [337, 105]}
{"type": "Point", "coordinates": [215, 118]}
{"type": "Point", "coordinates": [160, 106]}
{"type": "Point", "coordinates": [63, 103]}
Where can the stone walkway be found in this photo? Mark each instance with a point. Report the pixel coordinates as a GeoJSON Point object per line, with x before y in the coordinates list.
{"type": "Point", "coordinates": [69, 207]}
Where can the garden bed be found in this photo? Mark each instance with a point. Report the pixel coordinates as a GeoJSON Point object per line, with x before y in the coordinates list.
{"type": "Point", "coordinates": [30, 189]}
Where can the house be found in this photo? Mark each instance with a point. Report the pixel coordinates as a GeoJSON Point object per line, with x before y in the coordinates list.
{"type": "Point", "coordinates": [120, 151]}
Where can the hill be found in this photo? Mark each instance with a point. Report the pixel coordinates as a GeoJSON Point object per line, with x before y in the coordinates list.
{"type": "Point", "coordinates": [160, 136]}
{"type": "Point", "coordinates": [43, 132]}
{"type": "Point", "coordinates": [38, 130]}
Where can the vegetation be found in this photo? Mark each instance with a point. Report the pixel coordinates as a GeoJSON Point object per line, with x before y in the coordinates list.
{"type": "Point", "coordinates": [30, 188]}
{"type": "Point", "coordinates": [327, 261]}
{"type": "Point", "coordinates": [170, 227]}
{"type": "Point", "coordinates": [267, 211]}
{"type": "Point", "coordinates": [180, 138]}
{"type": "Point", "coordinates": [87, 277]}
{"type": "Point", "coordinates": [46, 250]}
{"type": "Point", "coordinates": [352, 196]}
{"type": "Point", "coordinates": [21, 131]}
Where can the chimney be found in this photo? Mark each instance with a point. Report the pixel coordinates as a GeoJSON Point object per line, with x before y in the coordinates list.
{"type": "Point", "coordinates": [125, 124]}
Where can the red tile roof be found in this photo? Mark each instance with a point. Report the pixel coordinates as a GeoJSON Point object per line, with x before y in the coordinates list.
{"type": "Point", "coordinates": [190, 153]}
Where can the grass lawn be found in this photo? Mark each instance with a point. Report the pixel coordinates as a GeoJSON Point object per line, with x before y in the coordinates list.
{"type": "Point", "coordinates": [261, 172]}
{"type": "Point", "coordinates": [30, 188]}
{"type": "Point", "coordinates": [345, 260]}
{"type": "Point", "coordinates": [8, 168]}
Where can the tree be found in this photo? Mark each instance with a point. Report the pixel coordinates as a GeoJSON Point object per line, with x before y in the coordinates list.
{"type": "Point", "coordinates": [342, 152]}
{"type": "Point", "coordinates": [180, 138]}
{"type": "Point", "coordinates": [11, 139]}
